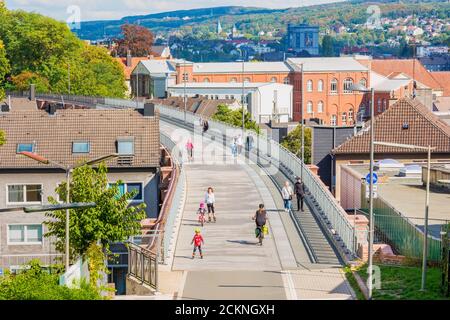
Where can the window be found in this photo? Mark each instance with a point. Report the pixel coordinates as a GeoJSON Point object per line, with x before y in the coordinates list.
{"type": "Point", "coordinates": [320, 86]}
{"type": "Point", "coordinates": [309, 107]}
{"type": "Point", "coordinates": [217, 97]}
{"type": "Point", "coordinates": [24, 234]}
{"type": "Point", "coordinates": [320, 107]}
{"type": "Point", "coordinates": [232, 97]}
{"type": "Point", "coordinates": [333, 120]}
{"type": "Point", "coordinates": [379, 105]}
{"type": "Point", "coordinates": [350, 115]}
{"type": "Point", "coordinates": [80, 147]}
{"type": "Point", "coordinates": [273, 80]}
{"type": "Point", "coordinates": [25, 193]}
{"type": "Point", "coordinates": [344, 117]}
{"type": "Point", "coordinates": [131, 187]}
{"type": "Point", "coordinates": [286, 80]}
{"type": "Point", "coordinates": [233, 80]}
{"type": "Point", "coordinates": [334, 86]}
{"type": "Point", "coordinates": [309, 86]}
{"type": "Point", "coordinates": [247, 80]}
{"type": "Point", "coordinates": [206, 80]}
{"type": "Point", "coordinates": [125, 146]}
{"type": "Point", "coordinates": [348, 83]}
{"type": "Point", "coordinates": [227, 97]}
{"type": "Point", "coordinates": [363, 82]}
{"type": "Point", "coordinates": [384, 104]}
{"type": "Point", "coordinates": [185, 77]}
{"type": "Point", "coordinates": [28, 147]}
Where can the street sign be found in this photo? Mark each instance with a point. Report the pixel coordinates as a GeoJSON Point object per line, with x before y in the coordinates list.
{"type": "Point", "coordinates": [375, 191]}
{"type": "Point", "coordinates": [374, 178]}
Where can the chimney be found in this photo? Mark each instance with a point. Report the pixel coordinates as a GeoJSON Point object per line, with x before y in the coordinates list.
{"type": "Point", "coordinates": [129, 60]}
{"type": "Point", "coordinates": [149, 110]}
{"type": "Point", "coordinates": [32, 96]}
{"type": "Point", "coordinates": [5, 108]}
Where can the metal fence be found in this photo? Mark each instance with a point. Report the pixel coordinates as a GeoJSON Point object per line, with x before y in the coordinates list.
{"type": "Point", "coordinates": [268, 149]}
{"type": "Point", "coordinates": [404, 234]}
{"type": "Point", "coordinates": [143, 265]}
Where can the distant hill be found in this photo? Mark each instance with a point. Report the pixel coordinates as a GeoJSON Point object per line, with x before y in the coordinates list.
{"type": "Point", "coordinates": [251, 20]}
{"type": "Point", "coordinates": [92, 30]}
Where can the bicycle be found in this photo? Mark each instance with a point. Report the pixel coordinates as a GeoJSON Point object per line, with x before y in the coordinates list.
{"type": "Point", "coordinates": [201, 219]}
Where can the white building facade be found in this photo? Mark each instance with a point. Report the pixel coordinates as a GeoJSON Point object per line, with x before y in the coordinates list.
{"type": "Point", "coordinates": [265, 101]}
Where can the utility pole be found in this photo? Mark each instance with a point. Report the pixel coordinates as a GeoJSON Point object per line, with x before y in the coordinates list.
{"type": "Point", "coordinates": [303, 123]}
{"type": "Point", "coordinates": [425, 229]}
{"type": "Point", "coordinates": [184, 94]}
{"type": "Point", "coordinates": [371, 221]}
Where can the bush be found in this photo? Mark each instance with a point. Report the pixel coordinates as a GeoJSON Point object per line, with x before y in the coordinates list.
{"type": "Point", "coordinates": [36, 283]}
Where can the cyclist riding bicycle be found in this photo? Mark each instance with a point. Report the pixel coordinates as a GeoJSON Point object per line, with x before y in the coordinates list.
{"type": "Point", "coordinates": [260, 218]}
{"type": "Point", "coordinates": [201, 214]}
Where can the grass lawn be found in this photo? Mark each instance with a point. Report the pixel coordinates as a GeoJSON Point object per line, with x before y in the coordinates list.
{"type": "Point", "coordinates": [403, 283]}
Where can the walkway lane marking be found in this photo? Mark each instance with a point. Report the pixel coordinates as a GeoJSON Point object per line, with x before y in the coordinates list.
{"type": "Point", "coordinates": [182, 284]}
{"type": "Point", "coordinates": [289, 286]}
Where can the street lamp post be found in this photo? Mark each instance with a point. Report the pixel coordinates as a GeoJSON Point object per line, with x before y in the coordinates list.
{"type": "Point", "coordinates": [360, 88]}
{"type": "Point", "coordinates": [427, 202]}
{"type": "Point", "coordinates": [67, 169]}
{"type": "Point", "coordinates": [243, 91]}
{"type": "Point", "coordinates": [302, 101]}
{"type": "Point", "coordinates": [184, 90]}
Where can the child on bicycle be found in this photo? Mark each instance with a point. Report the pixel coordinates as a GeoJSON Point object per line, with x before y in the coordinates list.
{"type": "Point", "coordinates": [201, 213]}
{"type": "Point", "coordinates": [197, 242]}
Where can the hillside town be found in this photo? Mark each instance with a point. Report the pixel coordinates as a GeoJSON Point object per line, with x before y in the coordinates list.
{"type": "Point", "coordinates": [286, 167]}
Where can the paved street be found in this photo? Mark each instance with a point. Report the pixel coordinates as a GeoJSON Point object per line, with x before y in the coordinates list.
{"type": "Point", "coordinates": [234, 267]}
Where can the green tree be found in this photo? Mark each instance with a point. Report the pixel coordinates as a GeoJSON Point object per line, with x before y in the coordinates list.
{"type": "Point", "coordinates": [4, 68]}
{"type": "Point", "coordinates": [293, 142]}
{"type": "Point", "coordinates": [2, 138]}
{"type": "Point", "coordinates": [113, 219]}
{"type": "Point", "coordinates": [327, 46]}
{"type": "Point", "coordinates": [36, 283]}
{"type": "Point", "coordinates": [234, 117]}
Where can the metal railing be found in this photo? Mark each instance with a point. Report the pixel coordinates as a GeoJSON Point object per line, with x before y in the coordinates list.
{"type": "Point", "coordinates": [333, 214]}
{"type": "Point", "coordinates": [143, 265]}
{"type": "Point", "coordinates": [402, 233]}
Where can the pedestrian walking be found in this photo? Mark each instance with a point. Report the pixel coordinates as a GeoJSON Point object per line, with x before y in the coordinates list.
{"type": "Point", "coordinates": [197, 241]}
{"type": "Point", "coordinates": [249, 142]}
{"type": "Point", "coordinates": [234, 148]}
{"type": "Point", "coordinates": [210, 200]}
{"type": "Point", "coordinates": [287, 194]}
{"type": "Point", "coordinates": [189, 149]}
{"type": "Point", "coordinates": [260, 218]}
{"type": "Point", "coordinates": [239, 144]}
{"type": "Point", "coordinates": [299, 189]}
{"type": "Point", "coordinates": [205, 126]}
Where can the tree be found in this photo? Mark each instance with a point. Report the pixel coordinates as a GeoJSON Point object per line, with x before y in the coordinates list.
{"type": "Point", "coordinates": [4, 68]}
{"type": "Point", "coordinates": [35, 283]}
{"type": "Point", "coordinates": [234, 117]}
{"type": "Point", "coordinates": [2, 138]}
{"type": "Point", "coordinates": [327, 46]}
{"type": "Point", "coordinates": [293, 142]}
{"type": "Point", "coordinates": [42, 49]}
{"type": "Point", "coordinates": [113, 219]}
{"type": "Point", "coordinates": [137, 39]}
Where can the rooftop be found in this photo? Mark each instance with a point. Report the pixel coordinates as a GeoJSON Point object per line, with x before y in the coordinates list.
{"type": "Point", "coordinates": [383, 84]}
{"type": "Point", "coordinates": [236, 67]}
{"type": "Point", "coordinates": [405, 122]}
{"type": "Point", "coordinates": [412, 68]}
{"type": "Point", "coordinates": [229, 85]}
{"type": "Point", "coordinates": [159, 66]}
{"type": "Point", "coordinates": [327, 64]}
{"type": "Point", "coordinates": [443, 78]}
{"type": "Point", "coordinates": [53, 135]}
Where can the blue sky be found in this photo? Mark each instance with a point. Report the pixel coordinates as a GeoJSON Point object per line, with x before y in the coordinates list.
{"type": "Point", "coordinates": [113, 9]}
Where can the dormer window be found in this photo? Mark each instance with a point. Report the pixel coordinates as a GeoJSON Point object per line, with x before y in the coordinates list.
{"type": "Point", "coordinates": [405, 126]}
{"type": "Point", "coordinates": [125, 146]}
{"type": "Point", "coordinates": [27, 147]}
{"type": "Point", "coordinates": [81, 147]}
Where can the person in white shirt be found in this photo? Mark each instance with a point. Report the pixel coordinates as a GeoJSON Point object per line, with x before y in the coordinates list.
{"type": "Point", "coordinates": [210, 200]}
{"type": "Point", "coordinates": [287, 194]}
{"type": "Point", "coordinates": [239, 144]}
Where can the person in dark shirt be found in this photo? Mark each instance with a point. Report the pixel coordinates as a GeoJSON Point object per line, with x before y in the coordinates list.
{"type": "Point", "coordinates": [300, 193]}
{"type": "Point", "coordinates": [260, 218]}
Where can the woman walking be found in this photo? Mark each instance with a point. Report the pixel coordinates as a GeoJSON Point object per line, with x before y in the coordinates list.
{"type": "Point", "coordinates": [287, 194]}
{"type": "Point", "coordinates": [210, 200]}
{"type": "Point", "coordinates": [260, 218]}
{"type": "Point", "coordinates": [189, 149]}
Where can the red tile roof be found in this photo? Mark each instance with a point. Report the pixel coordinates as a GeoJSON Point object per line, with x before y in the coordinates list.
{"type": "Point", "coordinates": [134, 62]}
{"type": "Point", "coordinates": [424, 128]}
{"type": "Point", "coordinates": [53, 136]}
{"type": "Point", "coordinates": [388, 67]}
{"type": "Point", "coordinates": [443, 78]}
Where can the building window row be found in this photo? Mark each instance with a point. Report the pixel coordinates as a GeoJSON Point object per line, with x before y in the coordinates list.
{"type": "Point", "coordinates": [24, 234]}
{"type": "Point", "coordinates": [310, 107]}
{"type": "Point", "coordinates": [334, 85]}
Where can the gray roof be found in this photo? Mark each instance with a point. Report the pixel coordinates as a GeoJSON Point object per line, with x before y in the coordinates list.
{"type": "Point", "coordinates": [253, 67]}
{"type": "Point", "coordinates": [383, 84]}
{"type": "Point", "coordinates": [158, 66]}
{"type": "Point", "coordinates": [327, 64]}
